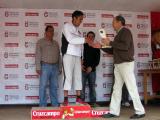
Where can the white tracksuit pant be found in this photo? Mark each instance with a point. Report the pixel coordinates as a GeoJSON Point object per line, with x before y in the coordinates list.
{"type": "Point", "coordinates": [124, 73]}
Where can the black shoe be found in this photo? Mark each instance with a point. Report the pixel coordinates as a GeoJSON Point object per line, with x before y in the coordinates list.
{"type": "Point", "coordinates": [136, 116]}
{"type": "Point", "coordinates": [109, 115]}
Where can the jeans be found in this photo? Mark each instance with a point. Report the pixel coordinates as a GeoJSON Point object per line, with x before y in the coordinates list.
{"type": "Point", "coordinates": [49, 74]}
{"type": "Point", "coordinates": [91, 78]}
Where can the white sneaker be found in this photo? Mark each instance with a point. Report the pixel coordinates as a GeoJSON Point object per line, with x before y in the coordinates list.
{"type": "Point", "coordinates": [126, 104]}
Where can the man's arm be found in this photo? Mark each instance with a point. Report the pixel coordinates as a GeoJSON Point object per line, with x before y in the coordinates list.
{"type": "Point", "coordinates": [71, 37]}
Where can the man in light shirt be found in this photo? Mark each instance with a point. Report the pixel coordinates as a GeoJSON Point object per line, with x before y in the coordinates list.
{"type": "Point", "coordinates": [47, 66]}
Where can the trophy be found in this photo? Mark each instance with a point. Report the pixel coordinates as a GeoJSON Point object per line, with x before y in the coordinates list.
{"type": "Point", "coordinates": [102, 33]}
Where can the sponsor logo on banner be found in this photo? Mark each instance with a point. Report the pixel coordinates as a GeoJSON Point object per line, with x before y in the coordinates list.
{"type": "Point", "coordinates": [71, 96]}
{"type": "Point", "coordinates": [31, 76]}
{"type": "Point", "coordinates": [11, 34]}
{"type": "Point", "coordinates": [11, 24]}
{"type": "Point", "coordinates": [139, 84]}
{"type": "Point", "coordinates": [107, 65]}
{"type": "Point", "coordinates": [107, 95]}
{"type": "Point", "coordinates": [11, 97]}
{"type": "Point", "coordinates": [126, 15]}
{"type": "Point", "coordinates": [142, 45]}
{"type": "Point", "coordinates": [89, 24]}
{"type": "Point", "coordinates": [139, 73]}
{"type": "Point", "coordinates": [142, 16]}
{"type": "Point", "coordinates": [142, 65]}
{"type": "Point", "coordinates": [11, 14]}
{"type": "Point", "coordinates": [11, 66]}
{"type": "Point", "coordinates": [142, 26]}
{"type": "Point", "coordinates": [90, 15]}
{"type": "Point", "coordinates": [67, 14]}
{"type": "Point", "coordinates": [30, 55]}
{"type": "Point", "coordinates": [105, 85]}
{"type": "Point", "coordinates": [31, 24]}
{"type": "Point", "coordinates": [32, 34]}
{"type": "Point", "coordinates": [11, 44]}
{"type": "Point", "coordinates": [32, 97]}
{"type": "Point", "coordinates": [143, 54]}
{"type": "Point", "coordinates": [107, 55]}
{"type": "Point", "coordinates": [31, 14]}
{"type": "Point", "coordinates": [107, 74]}
{"type": "Point", "coordinates": [107, 15]}
{"type": "Point", "coordinates": [110, 35]}
{"type": "Point", "coordinates": [30, 45]}
{"type": "Point", "coordinates": [31, 87]}
{"type": "Point", "coordinates": [106, 25]}
{"type": "Point", "coordinates": [11, 76]}
{"type": "Point", "coordinates": [11, 54]}
{"type": "Point", "coordinates": [11, 87]}
{"type": "Point", "coordinates": [96, 113]}
{"type": "Point", "coordinates": [143, 35]}
{"type": "Point", "coordinates": [29, 65]}
{"type": "Point", "coordinates": [52, 24]}
{"type": "Point", "coordinates": [45, 114]}
{"type": "Point", "coordinates": [109, 85]}
{"type": "Point", "coordinates": [128, 25]}
{"type": "Point", "coordinates": [51, 14]}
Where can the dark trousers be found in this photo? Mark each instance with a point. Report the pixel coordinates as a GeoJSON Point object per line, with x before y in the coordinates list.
{"type": "Point", "coordinates": [91, 78]}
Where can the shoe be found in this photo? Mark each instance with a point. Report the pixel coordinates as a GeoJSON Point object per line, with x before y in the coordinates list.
{"type": "Point", "coordinates": [126, 104]}
{"type": "Point", "coordinates": [65, 103]}
{"type": "Point", "coordinates": [109, 115]}
{"type": "Point", "coordinates": [136, 116]}
{"type": "Point", "coordinates": [80, 101]}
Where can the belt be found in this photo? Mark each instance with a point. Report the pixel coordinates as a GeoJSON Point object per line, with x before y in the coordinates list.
{"type": "Point", "coordinates": [47, 63]}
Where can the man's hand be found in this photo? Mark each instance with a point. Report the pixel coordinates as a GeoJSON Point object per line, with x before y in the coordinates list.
{"type": "Point", "coordinates": [38, 72]}
{"type": "Point", "coordinates": [88, 70]}
{"type": "Point", "coordinates": [96, 45]}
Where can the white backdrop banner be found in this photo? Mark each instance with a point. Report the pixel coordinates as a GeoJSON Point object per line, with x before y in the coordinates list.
{"type": "Point", "coordinates": [21, 28]}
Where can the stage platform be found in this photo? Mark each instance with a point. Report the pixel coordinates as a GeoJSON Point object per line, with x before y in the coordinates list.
{"type": "Point", "coordinates": [72, 111]}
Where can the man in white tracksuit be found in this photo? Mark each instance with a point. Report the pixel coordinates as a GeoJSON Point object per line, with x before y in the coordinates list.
{"type": "Point", "coordinates": [72, 42]}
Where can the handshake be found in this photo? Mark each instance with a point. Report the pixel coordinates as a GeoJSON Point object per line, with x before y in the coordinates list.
{"type": "Point", "coordinates": [104, 43]}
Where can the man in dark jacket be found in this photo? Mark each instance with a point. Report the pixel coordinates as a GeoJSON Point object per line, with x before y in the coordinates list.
{"type": "Point", "coordinates": [123, 52]}
{"type": "Point", "coordinates": [90, 60]}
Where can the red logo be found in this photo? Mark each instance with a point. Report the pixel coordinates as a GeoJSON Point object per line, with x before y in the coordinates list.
{"type": "Point", "coordinates": [107, 95]}
{"type": "Point", "coordinates": [30, 55]}
{"type": "Point", "coordinates": [53, 24]}
{"type": "Point", "coordinates": [32, 97]}
{"type": "Point", "coordinates": [89, 25]}
{"type": "Point", "coordinates": [31, 14]}
{"type": "Point", "coordinates": [107, 55]}
{"type": "Point", "coordinates": [107, 75]}
{"type": "Point", "coordinates": [110, 35]}
{"type": "Point", "coordinates": [11, 65]}
{"type": "Point", "coordinates": [11, 87]}
{"type": "Point", "coordinates": [11, 24]}
{"type": "Point", "coordinates": [31, 76]}
{"type": "Point", "coordinates": [107, 16]}
{"type": "Point", "coordinates": [31, 34]}
{"type": "Point", "coordinates": [143, 35]}
{"type": "Point", "coordinates": [142, 16]}
{"type": "Point", "coordinates": [11, 44]}
{"type": "Point", "coordinates": [67, 14]}
{"type": "Point", "coordinates": [143, 54]}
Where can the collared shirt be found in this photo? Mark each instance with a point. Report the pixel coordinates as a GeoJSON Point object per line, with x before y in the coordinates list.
{"type": "Point", "coordinates": [46, 51]}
